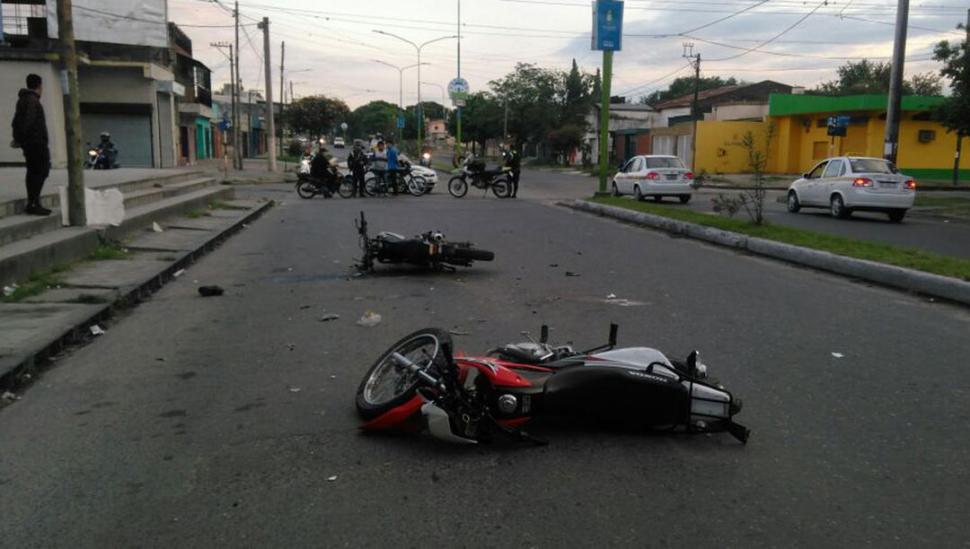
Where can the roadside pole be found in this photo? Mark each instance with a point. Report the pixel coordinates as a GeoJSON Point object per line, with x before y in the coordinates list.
{"type": "Point", "coordinates": [607, 36]}
{"type": "Point", "coordinates": [271, 115]}
{"type": "Point", "coordinates": [76, 213]}
{"type": "Point", "coordinates": [956, 156]}
{"type": "Point", "coordinates": [891, 139]}
{"type": "Point", "coordinates": [696, 61]}
{"type": "Point", "coordinates": [458, 120]}
{"type": "Point", "coordinates": [282, 93]}
{"type": "Point", "coordinates": [236, 136]}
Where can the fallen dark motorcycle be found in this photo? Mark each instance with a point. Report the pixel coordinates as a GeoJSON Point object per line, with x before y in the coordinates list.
{"type": "Point", "coordinates": [429, 250]}
{"type": "Point", "coordinates": [419, 381]}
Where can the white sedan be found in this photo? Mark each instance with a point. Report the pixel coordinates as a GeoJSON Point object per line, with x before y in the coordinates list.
{"type": "Point", "coordinates": [655, 176]}
{"type": "Point", "coordinates": [847, 183]}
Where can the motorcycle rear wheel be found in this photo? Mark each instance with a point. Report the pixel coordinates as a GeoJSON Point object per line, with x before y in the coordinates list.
{"type": "Point", "coordinates": [346, 189]}
{"type": "Point", "coordinates": [386, 386]}
{"type": "Point", "coordinates": [306, 189]}
{"type": "Point", "coordinates": [501, 187]}
{"type": "Point", "coordinates": [416, 185]}
{"type": "Point", "coordinates": [457, 186]}
{"type": "Point", "coordinates": [472, 254]}
{"type": "Point", "coordinates": [372, 186]}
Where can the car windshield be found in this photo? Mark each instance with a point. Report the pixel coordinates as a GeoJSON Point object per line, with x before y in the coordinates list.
{"type": "Point", "coordinates": [872, 165]}
{"type": "Point", "coordinates": [664, 162]}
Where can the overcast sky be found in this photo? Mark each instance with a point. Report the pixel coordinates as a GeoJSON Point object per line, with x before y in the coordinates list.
{"type": "Point", "coordinates": [336, 40]}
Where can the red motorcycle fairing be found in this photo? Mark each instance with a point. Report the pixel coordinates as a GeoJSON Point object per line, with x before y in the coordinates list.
{"type": "Point", "coordinates": [395, 418]}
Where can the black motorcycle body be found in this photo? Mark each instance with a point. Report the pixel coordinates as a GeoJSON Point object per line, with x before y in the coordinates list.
{"type": "Point", "coordinates": [429, 250]}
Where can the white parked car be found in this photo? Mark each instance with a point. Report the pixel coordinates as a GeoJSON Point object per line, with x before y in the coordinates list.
{"type": "Point", "coordinates": [338, 142]}
{"type": "Point", "coordinates": [847, 183]}
{"type": "Point", "coordinates": [655, 176]}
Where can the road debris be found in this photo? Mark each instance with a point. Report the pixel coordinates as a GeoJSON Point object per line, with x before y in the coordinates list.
{"type": "Point", "coordinates": [553, 264]}
{"type": "Point", "coordinates": [157, 228]}
{"type": "Point", "coordinates": [211, 291]}
{"type": "Point", "coordinates": [570, 273]}
{"type": "Point", "coordinates": [9, 397]}
{"type": "Point", "coordinates": [305, 307]}
{"type": "Point", "coordinates": [838, 355]}
{"type": "Point", "coordinates": [178, 273]}
{"type": "Point", "coordinates": [329, 317]}
{"type": "Point", "coordinates": [294, 389]}
{"type": "Point", "coordinates": [458, 332]}
{"type": "Point", "coordinates": [369, 320]}
{"type": "Point", "coordinates": [332, 478]}
{"type": "Point", "coordinates": [9, 290]}
{"type": "Point", "coordinates": [96, 330]}
{"type": "Point", "coordinates": [611, 296]}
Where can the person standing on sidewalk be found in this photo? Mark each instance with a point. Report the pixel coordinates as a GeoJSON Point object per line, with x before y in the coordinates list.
{"type": "Point", "coordinates": [30, 134]}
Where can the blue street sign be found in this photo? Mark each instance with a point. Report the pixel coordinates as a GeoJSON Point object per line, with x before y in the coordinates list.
{"type": "Point", "coordinates": [837, 125]}
{"type": "Point", "coordinates": [225, 125]}
{"type": "Point", "coordinates": [607, 25]}
{"type": "Point", "coordinates": [400, 122]}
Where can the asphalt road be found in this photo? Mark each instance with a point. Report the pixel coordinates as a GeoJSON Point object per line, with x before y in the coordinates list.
{"type": "Point", "coordinates": [207, 422]}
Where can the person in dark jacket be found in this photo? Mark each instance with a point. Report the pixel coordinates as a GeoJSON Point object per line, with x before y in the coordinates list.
{"type": "Point", "coordinates": [30, 133]}
{"type": "Point", "coordinates": [357, 162]}
{"type": "Point", "coordinates": [514, 161]}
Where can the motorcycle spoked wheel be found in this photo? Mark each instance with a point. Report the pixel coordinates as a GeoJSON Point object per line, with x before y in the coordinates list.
{"type": "Point", "coordinates": [502, 187]}
{"type": "Point", "coordinates": [372, 186]}
{"type": "Point", "coordinates": [346, 189]}
{"type": "Point", "coordinates": [457, 186]}
{"type": "Point", "coordinates": [386, 386]}
{"type": "Point", "coordinates": [417, 185]}
{"type": "Point", "coordinates": [306, 189]}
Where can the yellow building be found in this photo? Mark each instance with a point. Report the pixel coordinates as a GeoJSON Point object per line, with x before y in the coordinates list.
{"type": "Point", "coordinates": [799, 136]}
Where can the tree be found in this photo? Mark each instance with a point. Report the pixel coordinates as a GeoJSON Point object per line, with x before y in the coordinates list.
{"type": "Point", "coordinates": [577, 98]}
{"type": "Point", "coordinates": [373, 118]}
{"type": "Point", "coordinates": [432, 110]}
{"type": "Point", "coordinates": [954, 113]}
{"type": "Point", "coordinates": [316, 115]}
{"type": "Point", "coordinates": [685, 86]}
{"type": "Point", "coordinates": [533, 97]}
{"type": "Point", "coordinates": [481, 118]}
{"type": "Point", "coordinates": [567, 138]}
{"type": "Point", "coordinates": [867, 77]}
{"type": "Point", "coordinates": [751, 200]}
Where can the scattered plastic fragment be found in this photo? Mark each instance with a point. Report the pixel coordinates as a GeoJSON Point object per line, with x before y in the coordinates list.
{"type": "Point", "coordinates": [332, 478]}
{"type": "Point", "coordinates": [8, 396]}
{"type": "Point", "coordinates": [178, 273]}
{"type": "Point", "coordinates": [458, 332]}
{"type": "Point", "coordinates": [611, 296]}
{"type": "Point", "coordinates": [369, 320]}
{"type": "Point", "coordinates": [9, 290]}
{"type": "Point", "coordinates": [294, 389]}
{"type": "Point", "coordinates": [838, 355]}
{"type": "Point", "coordinates": [328, 317]}
{"type": "Point", "coordinates": [553, 264]}
{"type": "Point", "coordinates": [304, 307]}
{"type": "Point", "coordinates": [156, 227]}
{"type": "Point", "coordinates": [570, 273]}
{"type": "Point", "coordinates": [211, 291]}
{"type": "Point", "coordinates": [96, 330]}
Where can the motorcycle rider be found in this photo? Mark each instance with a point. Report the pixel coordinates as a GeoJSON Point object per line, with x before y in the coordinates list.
{"type": "Point", "coordinates": [108, 151]}
{"type": "Point", "coordinates": [357, 162]}
{"type": "Point", "coordinates": [514, 161]}
{"type": "Point", "coordinates": [321, 170]}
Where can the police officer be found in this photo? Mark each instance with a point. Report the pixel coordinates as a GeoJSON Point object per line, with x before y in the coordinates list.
{"type": "Point", "coordinates": [357, 162]}
{"type": "Point", "coordinates": [514, 161]}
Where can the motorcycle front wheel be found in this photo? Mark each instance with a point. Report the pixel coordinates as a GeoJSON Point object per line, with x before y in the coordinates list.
{"type": "Point", "coordinates": [416, 185]}
{"type": "Point", "coordinates": [462, 253]}
{"type": "Point", "coordinates": [501, 187]}
{"type": "Point", "coordinates": [387, 386]}
{"type": "Point", "coordinates": [346, 189]}
{"type": "Point", "coordinates": [306, 189]}
{"type": "Point", "coordinates": [372, 187]}
{"type": "Point", "coordinates": [457, 186]}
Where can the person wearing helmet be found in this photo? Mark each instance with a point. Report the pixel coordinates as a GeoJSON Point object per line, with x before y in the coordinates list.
{"type": "Point", "coordinates": [321, 170]}
{"type": "Point", "coordinates": [108, 150]}
{"type": "Point", "coordinates": [357, 162]}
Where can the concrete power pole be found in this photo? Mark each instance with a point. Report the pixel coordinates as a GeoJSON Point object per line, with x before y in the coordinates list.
{"type": "Point", "coordinates": [696, 61]}
{"type": "Point", "coordinates": [891, 139]}
{"type": "Point", "coordinates": [956, 156]}
{"type": "Point", "coordinates": [282, 92]}
{"type": "Point", "coordinates": [271, 114]}
{"type": "Point", "coordinates": [72, 115]}
{"type": "Point", "coordinates": [236, 137]}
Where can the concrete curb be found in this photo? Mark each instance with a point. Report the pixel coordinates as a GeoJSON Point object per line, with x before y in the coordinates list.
{"type": "Point", "coordinates": [910, 280]}
{"type": "Point", "coordinates": [127, 297]}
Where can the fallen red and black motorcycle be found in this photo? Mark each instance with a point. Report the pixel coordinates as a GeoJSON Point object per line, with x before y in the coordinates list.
{"type": "Point", "coordinates": [431, 250]}
{"type": "Point", "coordinates": [419, 383]}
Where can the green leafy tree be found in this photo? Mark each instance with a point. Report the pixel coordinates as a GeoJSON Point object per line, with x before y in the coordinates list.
{"type": "Point", "coordinates": [577, 98]}
{"type": "Point", "coordinates": [481, 118]}
{"type": "Point", "coordinates": [316, 115]}
{"type": "Point", "coordinates": [567, 138]}
{"type": "Point", "coordinates": [685, 86]}
{"type": "Point", "coordinates": [954, 113]}
{"type": "Point", "coordinates": [926, 84]}
{"type": "Point", "coordinates": [372, 118]}
{"type": "Point", "coordinates": [868, 77]}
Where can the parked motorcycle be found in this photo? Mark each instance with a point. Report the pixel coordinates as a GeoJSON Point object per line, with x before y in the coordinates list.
{"type": "Point", "coordinates": [429, 250]}
{"type": "Point", "coordinates": [473, 171]}
{"type": "Point", "coordinates": [334, 182]}
{"type": "Point", "coordinates": [474, 399]}
{"type": "Point", "coordinates": [405, 181]}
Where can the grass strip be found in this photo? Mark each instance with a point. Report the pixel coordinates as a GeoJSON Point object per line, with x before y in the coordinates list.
{"type": "Point", "coordinates": [873, 251]}
{"type": "Point", "coordinates": [37, 284]}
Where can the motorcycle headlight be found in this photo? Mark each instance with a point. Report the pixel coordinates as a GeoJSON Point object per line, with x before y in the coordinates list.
{"type": "Point", "coordinates": [93, 152]}
{"type": "Point", "coordinates": [426, 156]}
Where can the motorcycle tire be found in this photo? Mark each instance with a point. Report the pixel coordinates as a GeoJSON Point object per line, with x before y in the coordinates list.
{"type": "Point", "coordinates": [457, 186]}
{"type": "Point", "coordinates": [306, 189]}
{"type": "Point", "coordinates": [367, 406]}
{"type": "Point", "coordinates": [372, 186]}
{"type": "Point", "coordinates": [472, 254]}
{"type": "Point", "coordinates": [416, 185]}
{"type": "Point", "coordinates": [502, 187]}
{"type": "Point", "coordinates": [346, 189]}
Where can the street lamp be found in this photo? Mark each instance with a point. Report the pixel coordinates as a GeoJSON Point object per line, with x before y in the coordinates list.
{"type": "Point", "coordinates": [400, 71]}
{"type": "Point", "coordinates": [418, 48]}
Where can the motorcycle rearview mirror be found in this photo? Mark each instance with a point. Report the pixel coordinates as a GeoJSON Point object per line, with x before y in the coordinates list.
{"type": "Point", "coordinates": [544, 334]}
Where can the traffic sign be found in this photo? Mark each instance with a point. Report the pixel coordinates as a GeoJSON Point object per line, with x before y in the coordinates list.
{"type": "Point", "coordinates": [400, 121]}
{"type": "Point", "coordinates": [607, 25]}
{"type": "Point", "coordinates": [458, 89]}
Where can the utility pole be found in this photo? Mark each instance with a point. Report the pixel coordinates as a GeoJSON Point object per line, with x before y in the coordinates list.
{"type": "Point", "coordinates": [291, 92]}
{"type": "Point", "coordinates": [695, 59]}
{"type": "Point", "coordinates": [282, 92]}
{"type": "Point", "coordinates": [458, 121]}
{"type": "Point", "coordinates": [956, 157]}
{"type": "Point", "coordinates": [271, 130]}
{"type": "Point", "coordinates": [76, 214]}
{"type": "Point", "coordinates": [891, 139]}
{"type": "Point", "coordinates": [237, 149]}
{"type": "Point", "coordinates": [605, 119]}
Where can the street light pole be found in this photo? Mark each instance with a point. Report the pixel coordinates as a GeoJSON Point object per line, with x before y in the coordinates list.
{"type": "Point", "coordinates": [400, 81]}
{"type": "Point", "coordinates": [418, 48]}
{"type": "Point", "coordinates": [891, 139]}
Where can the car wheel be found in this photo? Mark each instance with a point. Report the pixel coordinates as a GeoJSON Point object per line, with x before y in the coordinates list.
{"type": "Point", "coordinates": [637, 193]}
{"type": "Point", "coordinates": [793, 204]}
{"type": "Point", "coordinates": [684, 198]}
{"type": "Point", "coordinates": [896, 216]}
{"type": "Point", "coordinates": [615, 191]}
{"type": "Point", "coordinates": [837, 207]}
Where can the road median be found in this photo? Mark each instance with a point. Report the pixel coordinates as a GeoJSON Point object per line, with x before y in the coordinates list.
{"type": "Point", "coordinates": [921, 272]}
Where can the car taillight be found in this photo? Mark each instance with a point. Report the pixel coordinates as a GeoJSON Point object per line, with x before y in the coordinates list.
{"type": "Point", "coordinates": [688, 175]}
{"type": "Point", "coordinates": [862, 182]}
{"type": "Point", "coordinates": [911, 184]}
{"type": "Point", "coordinates": [653, 175]}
